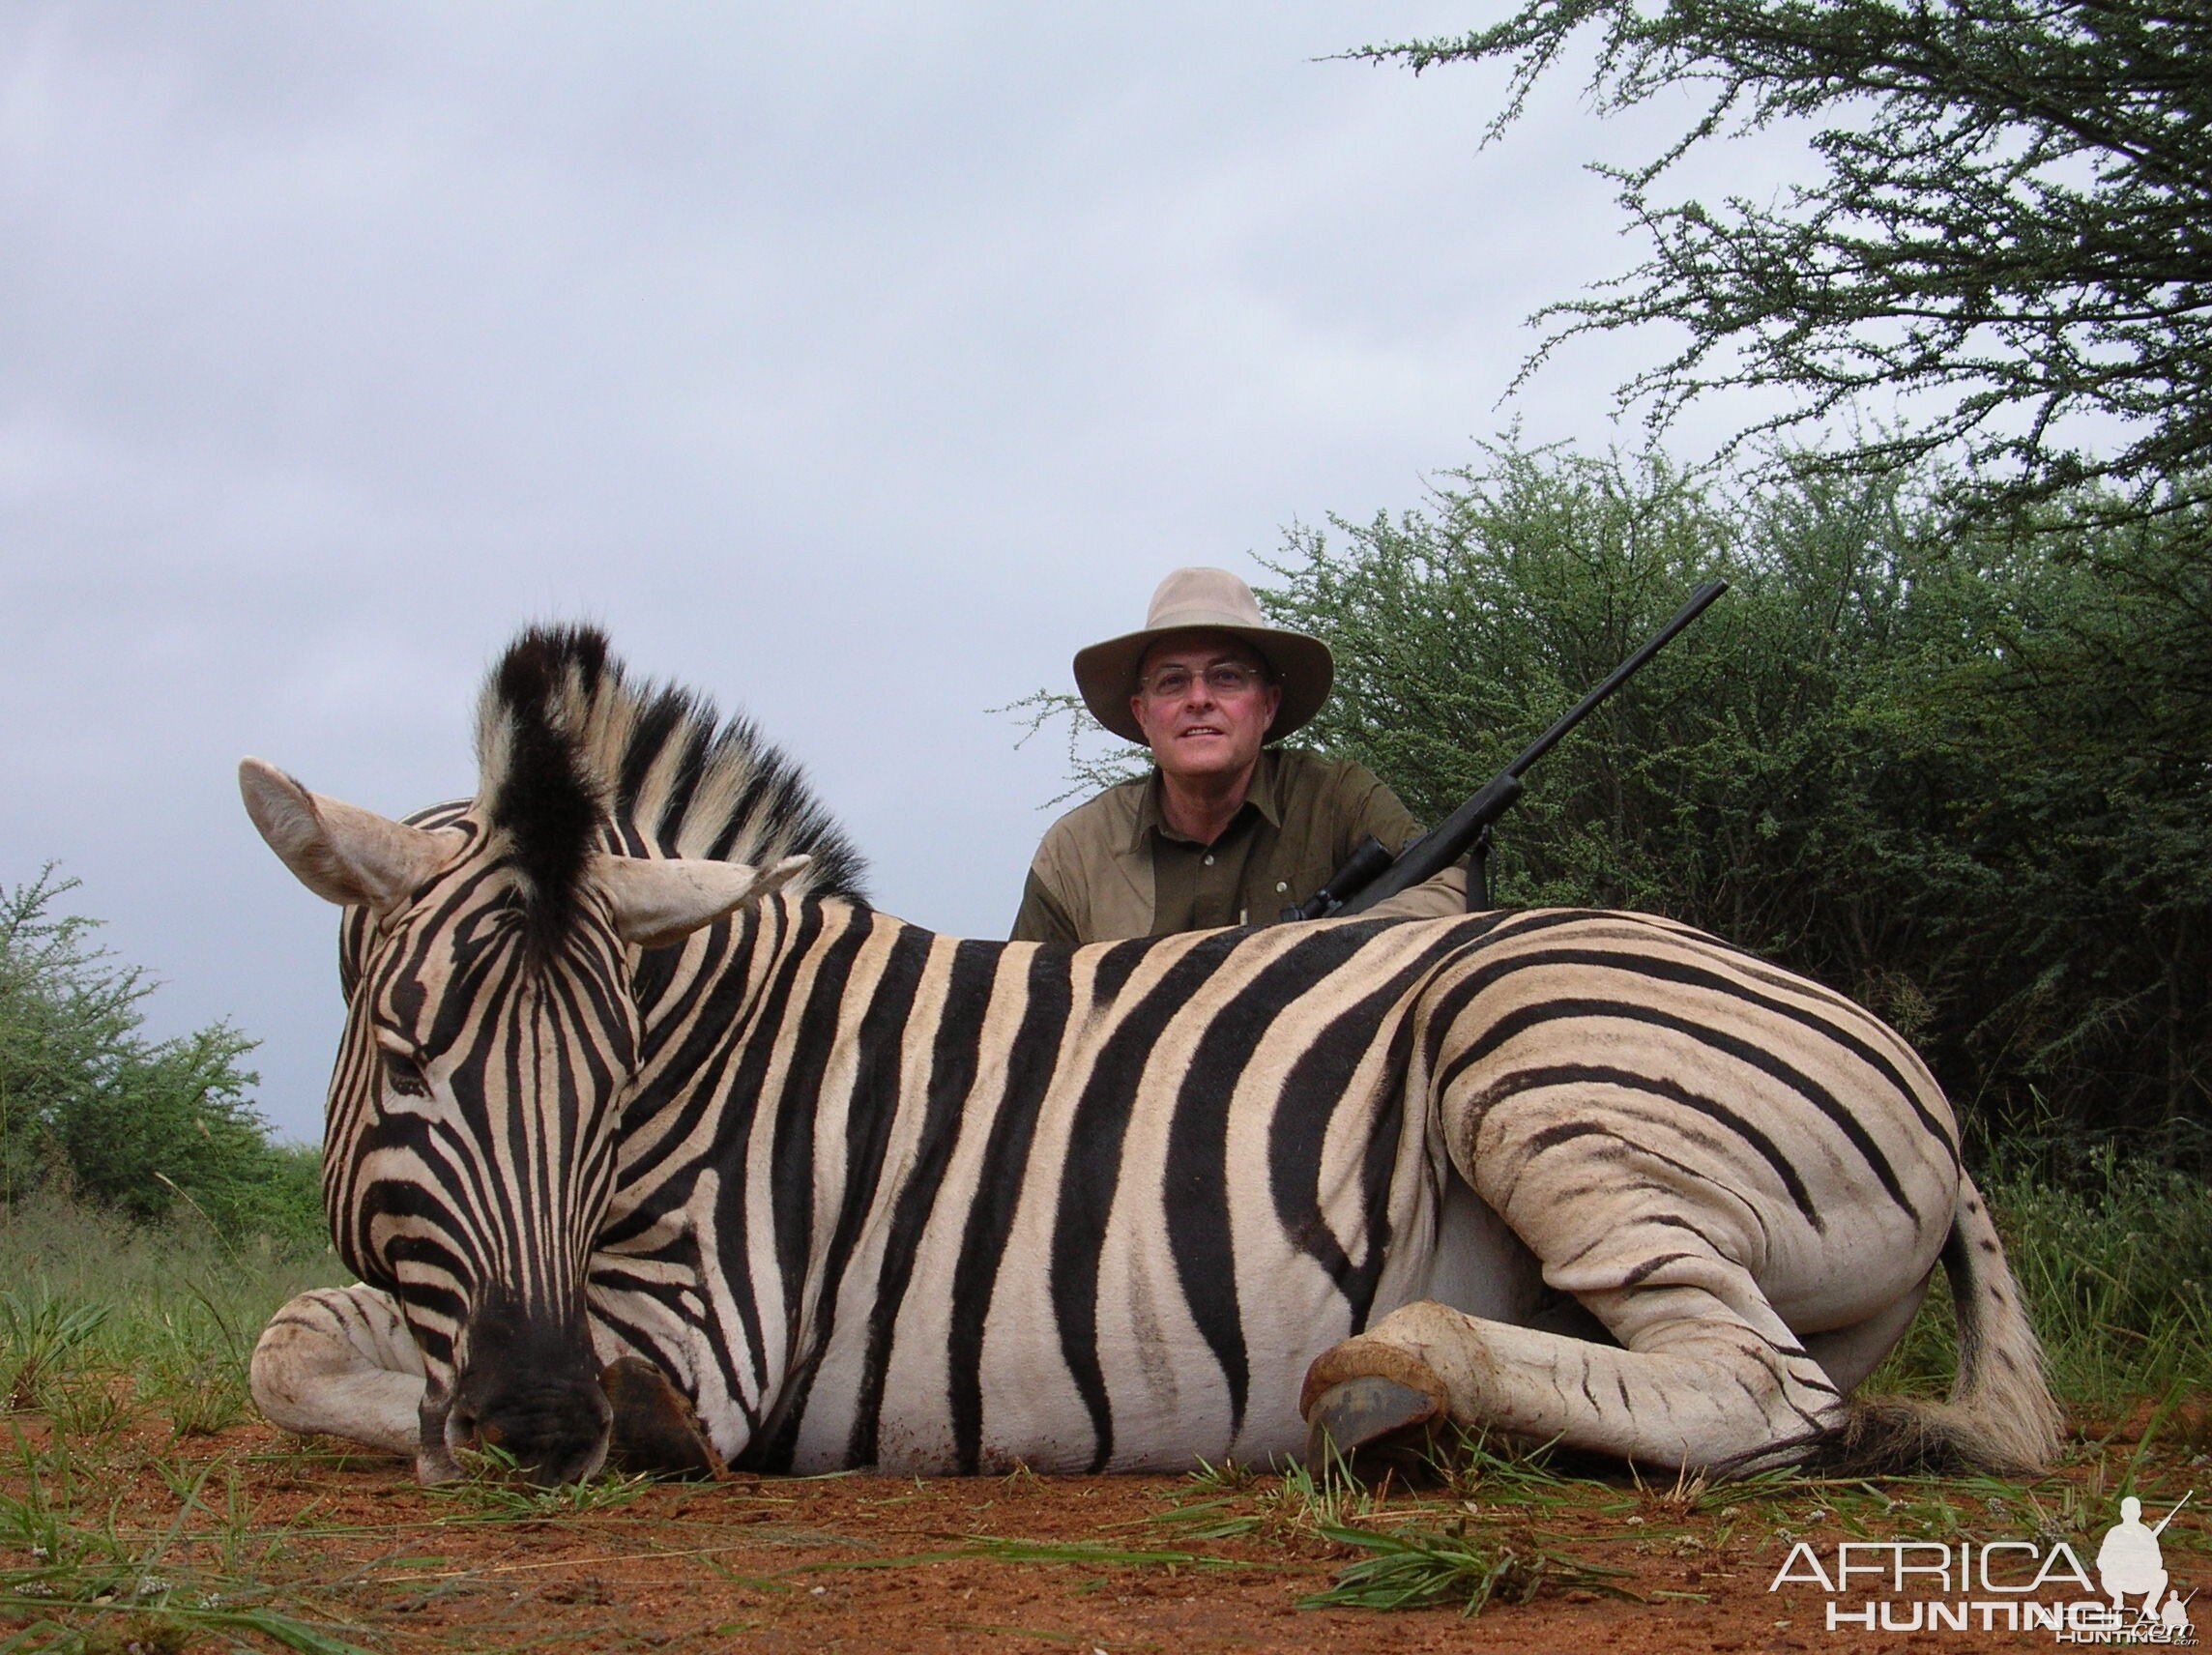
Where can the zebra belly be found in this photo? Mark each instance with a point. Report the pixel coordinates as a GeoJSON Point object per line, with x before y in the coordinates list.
{"type": "Point", "coordinates": [1138, 1386]}
{"type": "Point", "coordinates": [1141, 1386]}
{"type": "Point", "coordinates": [1159, 1359]}
{"type": "Point", "coordinates": [1165, 1393]}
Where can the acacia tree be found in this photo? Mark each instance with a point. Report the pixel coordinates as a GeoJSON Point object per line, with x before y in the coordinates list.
{"type": "Point", "coordinates": [2014, 227]}
{"type": "Point", "coordinates": [133, 1123]}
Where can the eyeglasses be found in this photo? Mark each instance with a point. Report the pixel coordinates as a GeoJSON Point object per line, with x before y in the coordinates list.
{"type": "Point", "coordinates": [1226, 679]}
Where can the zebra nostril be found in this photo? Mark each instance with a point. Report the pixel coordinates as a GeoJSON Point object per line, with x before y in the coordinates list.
{"type": "Point", "coordinates": [550, 1431]}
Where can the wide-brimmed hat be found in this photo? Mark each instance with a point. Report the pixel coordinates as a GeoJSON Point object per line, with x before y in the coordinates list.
{"type": "Point", "coordinates": [1205, 600]}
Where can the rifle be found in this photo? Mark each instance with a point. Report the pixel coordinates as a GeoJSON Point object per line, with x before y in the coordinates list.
{"type": "Point", "coordinates": [1370, 874]}
{"type": "Point", "coordinates": [2171, 1516]}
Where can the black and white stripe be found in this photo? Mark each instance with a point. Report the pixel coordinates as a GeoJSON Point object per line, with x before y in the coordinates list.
{"type": "Point", "coordinates": [874, 1197]}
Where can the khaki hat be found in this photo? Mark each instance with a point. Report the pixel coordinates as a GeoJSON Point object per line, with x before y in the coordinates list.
{"type": "Point", "coordinates": [1208, 601]}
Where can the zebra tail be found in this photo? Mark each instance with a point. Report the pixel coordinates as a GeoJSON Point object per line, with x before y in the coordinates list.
{"type": "Point", "coordinates": [2001, 1416]}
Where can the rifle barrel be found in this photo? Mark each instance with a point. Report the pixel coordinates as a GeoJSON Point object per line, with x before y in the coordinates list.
{"type": "Point", "coordinates": [1436, 851]}
{"type": "Point", "coordinates": [1696, 605]}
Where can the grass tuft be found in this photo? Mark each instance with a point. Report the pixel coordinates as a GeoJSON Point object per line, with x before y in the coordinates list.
{"type": "Point", "coordinates": [38, 1333]}
{"type": "Point", "coordinates": [1422, 1568]}
{"type": "Point", "coordinates": [496, 1490]}
{"type": "Point", "coordinates": [1230, 1476]}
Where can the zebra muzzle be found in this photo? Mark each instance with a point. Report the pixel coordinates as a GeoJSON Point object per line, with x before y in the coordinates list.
{"type": "Point", "coordinates": [530, 1390]}
{"type": "Point", "coordinates": [554, 1432]}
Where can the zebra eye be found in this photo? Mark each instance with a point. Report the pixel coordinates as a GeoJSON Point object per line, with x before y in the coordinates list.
{"type": "Point", "coordinates": [404, 1075]}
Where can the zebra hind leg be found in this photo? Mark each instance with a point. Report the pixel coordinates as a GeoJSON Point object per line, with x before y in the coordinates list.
{"type": "Point", "coordinates": [339, 1362]}
{"type": "Point", "coordinates": [1700, 1374]}
{"type": "Point", "coordinates": [2000, 1417]}
{"type": "Point", "coordinates": [1695, 1384]}
{"type": "Point", "coordinates": [1707, 1376]}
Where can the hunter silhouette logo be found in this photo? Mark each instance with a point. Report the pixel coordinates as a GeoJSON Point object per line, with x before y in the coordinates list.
{"type": "Point", "coordinates": [2131, 1564]}
{"type": "Point", "coordinates": [2004, 1585]}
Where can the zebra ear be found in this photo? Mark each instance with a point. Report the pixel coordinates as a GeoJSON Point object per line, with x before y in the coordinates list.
{"type": "Point", "coordinates": [660, 902]}
{"type": "Point", "coordinates": [340, 852]}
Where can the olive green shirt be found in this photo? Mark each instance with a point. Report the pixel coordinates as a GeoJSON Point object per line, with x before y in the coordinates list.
{"type": "Point", "coordinates": [1112, 868]}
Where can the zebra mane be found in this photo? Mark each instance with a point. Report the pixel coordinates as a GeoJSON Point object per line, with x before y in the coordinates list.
{"type": "Point", "coordinates": [573, 757]}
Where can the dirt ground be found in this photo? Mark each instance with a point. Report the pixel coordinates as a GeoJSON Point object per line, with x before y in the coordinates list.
{"type": "Point", "coordinates": [252, 1521]}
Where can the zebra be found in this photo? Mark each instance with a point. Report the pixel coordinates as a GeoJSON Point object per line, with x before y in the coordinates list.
{"type": "Point", "coordinates": [647, 1129]}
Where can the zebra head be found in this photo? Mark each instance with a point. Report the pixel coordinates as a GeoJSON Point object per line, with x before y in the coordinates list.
{"type": "Point", "coordinates": [491, 1039]}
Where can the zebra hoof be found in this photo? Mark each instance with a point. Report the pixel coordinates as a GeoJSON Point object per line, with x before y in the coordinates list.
{"type": "Point", "coordinates": [1371, 1419]}
{"type": "Point", "coordinates": [656, 1431]}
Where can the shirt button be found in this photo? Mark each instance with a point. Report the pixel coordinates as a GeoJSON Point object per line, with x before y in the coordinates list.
{"type": "Point", "coordinates": [1208, 859]}
{"type": "Point", "coordinates": [1282, 886]}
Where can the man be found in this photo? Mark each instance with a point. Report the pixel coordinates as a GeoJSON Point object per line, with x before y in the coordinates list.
{"type": "Point", "coordinates": [1225, 830]}
{"type": "Point", "coordinates": [2130, 1562]}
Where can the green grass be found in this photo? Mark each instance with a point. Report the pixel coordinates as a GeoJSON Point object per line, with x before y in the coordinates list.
{"type": "Point", "coordinates": [2113, 1255]}
{"type": "Point", "coordinates": [106, 1325]}
{"type": "Point", "coordinates": [82, 1583]}
{"type": "Point", "coordinates": [495, 1491]}
{"type": "Point", "coordinates": [99, 1315]}
{"type": "Point", "coordinates": [1417, 1567]}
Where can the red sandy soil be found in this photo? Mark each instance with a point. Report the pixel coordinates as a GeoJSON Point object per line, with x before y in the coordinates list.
{"type": "Point", "coordinates": [353, 1545]}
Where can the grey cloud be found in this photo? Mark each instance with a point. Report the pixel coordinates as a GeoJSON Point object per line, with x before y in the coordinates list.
{"type": "Point", "coordinates": [853, 364]}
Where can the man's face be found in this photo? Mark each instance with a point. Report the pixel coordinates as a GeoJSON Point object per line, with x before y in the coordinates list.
{"type": "Point", "coordinates": [1202, 729]}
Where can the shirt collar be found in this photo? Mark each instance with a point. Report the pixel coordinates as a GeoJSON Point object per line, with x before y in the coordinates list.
{"type": "Point", "coordinates": [1259, 795]}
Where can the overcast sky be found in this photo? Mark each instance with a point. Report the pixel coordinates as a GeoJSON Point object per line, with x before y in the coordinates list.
{"type": "Point", "coordinates": [853, 364]}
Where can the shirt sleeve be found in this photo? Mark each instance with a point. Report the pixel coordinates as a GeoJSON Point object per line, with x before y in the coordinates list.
{"type": "Point", "coordinates": [1367, 805]}
{"type": "Point", "coordinates": [1443, 897]}
{"type": "Point", "coordinates": [1041, 919]}
{"type": "Point", "coordinates": [1375, 809]}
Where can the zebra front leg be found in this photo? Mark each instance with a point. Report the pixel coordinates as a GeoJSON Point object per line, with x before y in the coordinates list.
{"type": "Point", "coordinates": [1695, 1385]}
{"type": "Point", "coordinates": [339, 1362]}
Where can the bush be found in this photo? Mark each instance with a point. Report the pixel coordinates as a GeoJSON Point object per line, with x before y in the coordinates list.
{"type": "Point", "coordinates": [1969, 783]}
{"type": "Point", "coordinates": [138, 1126]}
